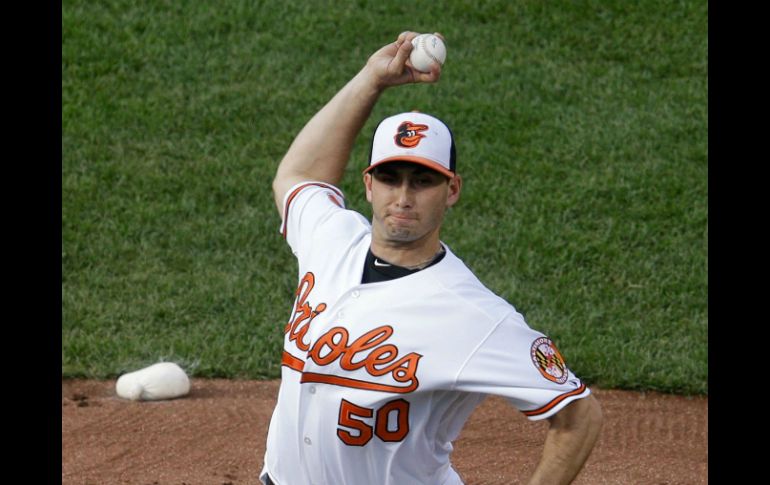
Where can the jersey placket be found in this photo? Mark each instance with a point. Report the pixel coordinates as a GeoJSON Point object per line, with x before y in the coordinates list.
{"type": "Point", "coordinates": [312, 408]}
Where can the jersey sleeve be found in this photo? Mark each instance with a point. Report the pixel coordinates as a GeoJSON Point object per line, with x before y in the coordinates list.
{"type": "Point", "coordinates": [525, 367]}
{"type": "Point", "coordinates": [305, 208]}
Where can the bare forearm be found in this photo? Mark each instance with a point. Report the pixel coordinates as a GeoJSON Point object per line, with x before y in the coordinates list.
{"type": "Point", "coordinates": [321, 150]}
{"type": "Point", "coordinates": [571, 437]}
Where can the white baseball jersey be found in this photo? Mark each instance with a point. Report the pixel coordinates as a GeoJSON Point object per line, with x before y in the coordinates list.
{"type": "Point", "coordinates": [379, 378]}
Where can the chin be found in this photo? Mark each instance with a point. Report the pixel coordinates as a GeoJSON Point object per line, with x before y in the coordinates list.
{"type": "Point", "coordinates": [401, 233]}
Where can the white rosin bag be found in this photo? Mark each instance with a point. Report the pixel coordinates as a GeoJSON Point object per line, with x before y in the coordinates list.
{"type": "Point", "coordinates": [164, 380]}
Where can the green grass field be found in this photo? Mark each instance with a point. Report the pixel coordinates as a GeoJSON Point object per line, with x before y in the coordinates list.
{"type": "Point", "coordinates": [582, 132]}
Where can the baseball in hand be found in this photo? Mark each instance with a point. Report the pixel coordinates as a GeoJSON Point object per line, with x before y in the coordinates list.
{"type": "Point", "coordinates": [425, 49]}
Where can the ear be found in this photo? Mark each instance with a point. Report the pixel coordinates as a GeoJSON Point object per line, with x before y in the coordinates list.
{"type": "Point", "coordinates": [455, 186]}
{"type": "Point", "coordinates": [368, 186]}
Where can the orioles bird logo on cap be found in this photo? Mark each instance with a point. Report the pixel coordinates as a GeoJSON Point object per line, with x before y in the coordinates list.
{"type": "Point", "coordinates": [409, 134]}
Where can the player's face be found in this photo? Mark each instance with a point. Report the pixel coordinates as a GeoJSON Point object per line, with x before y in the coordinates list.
{"type": "Point", "coordinates": [409, 201]}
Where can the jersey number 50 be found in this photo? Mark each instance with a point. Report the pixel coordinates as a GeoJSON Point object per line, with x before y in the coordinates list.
{"type": "Point", "coordinates": [353, 416]}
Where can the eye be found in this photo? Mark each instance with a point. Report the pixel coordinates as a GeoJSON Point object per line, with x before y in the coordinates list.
{"type": "Point", "coordinates": [425, 181]}
{"type": "Point", "coordinates": [385, 178]}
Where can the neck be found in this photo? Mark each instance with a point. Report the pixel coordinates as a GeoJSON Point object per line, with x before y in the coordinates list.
{"type": "Point", "coordinates": [407, 256]}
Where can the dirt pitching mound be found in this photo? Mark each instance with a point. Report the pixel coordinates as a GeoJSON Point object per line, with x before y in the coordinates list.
{"type": "Point", "coordinates": [216, 436]}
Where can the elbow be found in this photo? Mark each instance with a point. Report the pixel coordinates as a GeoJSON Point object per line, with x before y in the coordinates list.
{"type": "Point", "coordinates": [277, 194]}
{"type": "Point", "coordinates": [585, 414]}
{"type": "Point", "coordinates": [594, 414]}
{"type": "Point", "coordinates": [279, 179]}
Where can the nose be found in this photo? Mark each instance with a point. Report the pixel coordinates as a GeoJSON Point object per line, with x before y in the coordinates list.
{"type": "Point", "coordinates": [404, 195]}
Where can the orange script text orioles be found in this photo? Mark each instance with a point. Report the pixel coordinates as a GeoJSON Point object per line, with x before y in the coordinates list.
{"type": "Point", "coordinates": [369, 352]}
{"type": "Point", "coordinates": [299, 324]}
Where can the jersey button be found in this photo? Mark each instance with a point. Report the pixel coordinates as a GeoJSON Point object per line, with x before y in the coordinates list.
{"type": "Point", "coordinates": [307, 441]}
{"type": "Point", "coordinates": [311, 390]}
{"type": "Point", "coordinates": [355, 293]}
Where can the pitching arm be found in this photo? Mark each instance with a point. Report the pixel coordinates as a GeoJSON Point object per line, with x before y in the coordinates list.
{"type": "Point", "coordinates": [322, 148]}
{"type": "Point", "coordinates": [571, 437]}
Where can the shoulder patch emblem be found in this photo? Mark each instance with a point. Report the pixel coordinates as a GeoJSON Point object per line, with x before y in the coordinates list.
{"type": "Point", "coordinates": [548, 360]}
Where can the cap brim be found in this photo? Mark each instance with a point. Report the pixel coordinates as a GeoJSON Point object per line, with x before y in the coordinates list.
{"type": "Point", "coordinates": [418, 160]}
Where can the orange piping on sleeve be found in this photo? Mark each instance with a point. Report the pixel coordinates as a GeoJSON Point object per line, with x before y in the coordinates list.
{"type": "Point", "coordinates": [552, 404]}
{"type": "Point", "coordinates": [295, 192]}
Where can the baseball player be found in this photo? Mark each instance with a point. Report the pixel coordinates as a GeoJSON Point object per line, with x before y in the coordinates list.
{"type": "Point", "coordinates": [392, 341]}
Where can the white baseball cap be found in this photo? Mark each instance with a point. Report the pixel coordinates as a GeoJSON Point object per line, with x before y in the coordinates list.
{"type": "Point", "coordinates": [414, 137]}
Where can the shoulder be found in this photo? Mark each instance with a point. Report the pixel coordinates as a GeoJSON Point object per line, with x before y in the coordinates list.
{"type": "Point", "coordinates": [456, 279]}
{"type": "Point", "coordinates": [303, 193]}
{"type": "Point", "coordinates": [313, 211]}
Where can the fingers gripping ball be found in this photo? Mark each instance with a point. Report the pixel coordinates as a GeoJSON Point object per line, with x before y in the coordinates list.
{"type": "Point", "coordinates": [427, 48]}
